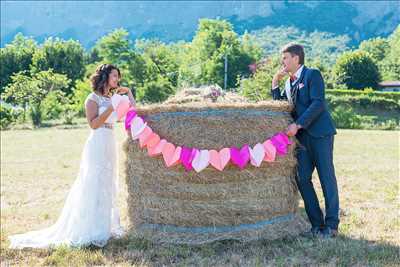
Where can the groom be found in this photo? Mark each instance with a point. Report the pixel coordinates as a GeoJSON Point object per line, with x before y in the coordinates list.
{"type": "Point", "coordinates": [314, 128]}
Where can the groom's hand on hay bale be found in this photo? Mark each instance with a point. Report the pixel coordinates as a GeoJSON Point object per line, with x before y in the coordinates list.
{"type": "Point", "coordinates": [293, 129]}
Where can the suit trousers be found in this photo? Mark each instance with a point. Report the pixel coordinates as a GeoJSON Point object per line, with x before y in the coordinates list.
{"type": "Point", "coordinates": [317, 153]}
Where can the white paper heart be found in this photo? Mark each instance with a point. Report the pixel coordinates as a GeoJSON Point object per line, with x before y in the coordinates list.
{"type": "Point", "coordinates": [115, 100]}
{"type": "Point", "coordinates": [201, 161]}
{"type": "Point", "coordinates": [125, 98]}
{"type": "Point", "coordinates": [257, 155]}
{"type": "Point", "coordinates": [137, 127]}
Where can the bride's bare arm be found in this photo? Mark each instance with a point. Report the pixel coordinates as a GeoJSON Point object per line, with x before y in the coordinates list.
{"type": "Point", "coordinates": [131, 98]}
{"type": "Point", "coordinates": [94, 119]}
{"type": "Point", "coordinates": [126, 90]}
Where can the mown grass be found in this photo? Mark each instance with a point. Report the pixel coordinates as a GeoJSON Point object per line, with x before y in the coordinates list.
{"type": "Point", "coordinates": [38, 168]}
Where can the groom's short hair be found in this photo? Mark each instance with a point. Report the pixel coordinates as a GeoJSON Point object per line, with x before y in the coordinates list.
{"type": "Point", "coordinates": [294, 49]}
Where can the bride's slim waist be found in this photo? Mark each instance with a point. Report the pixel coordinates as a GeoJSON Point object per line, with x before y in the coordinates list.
{"type": "Point", "coordinates": [108, 126]}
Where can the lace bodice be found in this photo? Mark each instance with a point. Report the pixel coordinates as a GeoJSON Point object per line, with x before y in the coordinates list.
{"type": "Point", "coordinates": [103, 103]}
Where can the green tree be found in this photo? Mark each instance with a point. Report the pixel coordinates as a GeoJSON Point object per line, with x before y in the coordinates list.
{"type": "Point", "coordinates": [15, 57]}
{"type": "Point", "coordinates": [391, 63]}
{"type": "Point", "coordinates": [114, 47]}
{"type": "Point", "coordinates": [81, 91]}
{"type": "Point", "coordinates": [51, 81]}
{"type": "Point", "coordinates": [93, 56]}
{"type": "Point", "coordinates": [357, 70]}
{"type": "Point", "coordinates": [258, 86]}
{"type": "Point", "coordinates": [26, 91]}
{"type": "Point", "coordinates": [152, 66]}
{"type": "Point", "coordinates": [156, 90]}
{"type": "Point", "coordinates": [326, 71]}
{"type": "Point", "coordinates": [161, 60]}
{"type": "Point", "coordinates": [17, 92]}
{"type": "Point", "coordinates": [189, 66]}
{"type": "Point", "coordinates": [45, 83]}
{"type": "Point", "coordinates": [63, 57]}
{"type": "Point", "coordinates": [53, 104]}
{"type": "Point", "coordinates": [251, 46]}
{"type": "Point", "coordinates": [377, 48]}
{"type": "Point", "coordinates": [214, 40]}
{"type": "Point", "coordinates": [135, 70]}
{"type": "Point", "coordinates": [6, 116]}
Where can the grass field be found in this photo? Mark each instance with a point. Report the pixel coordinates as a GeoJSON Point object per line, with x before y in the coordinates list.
{"type": "Point", "coordinates": [38, 168]}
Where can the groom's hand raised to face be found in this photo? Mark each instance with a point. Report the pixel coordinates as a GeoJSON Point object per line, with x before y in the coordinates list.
{"type": "Point", "coordinates": [279, 75]}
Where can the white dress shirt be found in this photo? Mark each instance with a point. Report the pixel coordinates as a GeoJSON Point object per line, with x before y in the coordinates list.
{"type": "Point", "coordinates": [287, 83]}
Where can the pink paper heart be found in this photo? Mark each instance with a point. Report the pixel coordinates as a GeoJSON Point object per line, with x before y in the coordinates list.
{"type": "Point", "coordinates": [220, 159]}
{"type": "Point", "coordinates": [187, 156]}
{"type": "Point", "coordinates": [240, 157]}
{"type": "Point", "coordinates": [171, 154]}
{"type": "Point", "coordinates": [157, 149]}
{"type": "Point", "coordinates": [225, 156]}
{"type": "Point", "coordinates": [177, 155]}
{"type": "Point", "coordinates": [138, 126]}
{"type": "Point", "coordinates": [129, 117]}
{"type": "Point", "coordinates": [201, 160]}
{"type": "Point", "coordinates": [284, 138]}
{"type": "Point", "coordinates": [270, 151]}
{"type": "Point", "coordinates": [144, 135]}
{"type": "Point", "coordinates": [257, 155]}
{"type": "Point", "coordinates": [215, 160]}
{"type": "Point", "coordinates": [280, 141]}
{"type": "Point", "coordinates": [152, 140]}
{"type": "Point", "coordinates": [123, 107]}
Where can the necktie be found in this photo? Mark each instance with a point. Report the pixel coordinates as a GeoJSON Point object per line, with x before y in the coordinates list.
{"type": "Point", "coordinates": [293, 90]}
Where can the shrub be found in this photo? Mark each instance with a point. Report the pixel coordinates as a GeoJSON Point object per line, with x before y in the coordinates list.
{"type": "Point", "coordinates": [367, 91]}
{"type": "Point", "coordinates": [389, 125]}
{"type": "Point", "coordinates": [69, 114]}
{"type": "Point", "coordinates": [53, 105]}
{"type": "Point", "coordinates": [345, 117]}
{"type": "Point", "coordinates": [6, 117]}
{"type": "Point", "coordinates": [364, 101]}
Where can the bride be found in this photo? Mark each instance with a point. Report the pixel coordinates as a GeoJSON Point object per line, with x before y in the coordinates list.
{"type": "Point", "coordinates": [90, 215]}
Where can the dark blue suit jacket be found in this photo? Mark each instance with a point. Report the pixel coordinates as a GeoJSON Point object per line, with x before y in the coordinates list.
{"type": "Point", "coordinates": [310, 110]}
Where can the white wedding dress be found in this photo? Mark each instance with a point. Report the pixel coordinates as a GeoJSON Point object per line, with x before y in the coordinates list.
{"type": "Point", "coordinates": [90, 214]}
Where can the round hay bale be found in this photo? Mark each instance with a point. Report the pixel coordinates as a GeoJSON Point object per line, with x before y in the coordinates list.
{"type": "Point", "coordinates": [175, 206]}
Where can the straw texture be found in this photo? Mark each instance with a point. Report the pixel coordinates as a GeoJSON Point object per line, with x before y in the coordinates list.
{"type": "Point", "coordinates": [174, 206]}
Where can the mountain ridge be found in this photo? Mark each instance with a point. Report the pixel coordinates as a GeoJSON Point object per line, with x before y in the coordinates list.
{"type": "Point", "coordinates": [171, 21]}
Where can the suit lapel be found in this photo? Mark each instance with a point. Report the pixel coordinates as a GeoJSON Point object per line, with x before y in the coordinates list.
{"type": "Point", "coordinates": [303, 72]}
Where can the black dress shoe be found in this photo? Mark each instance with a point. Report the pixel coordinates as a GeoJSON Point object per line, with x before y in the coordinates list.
{"type": "Point", "coordinates": [313, 232]}
{"type": "Point", "coordinates": [328, 232]}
